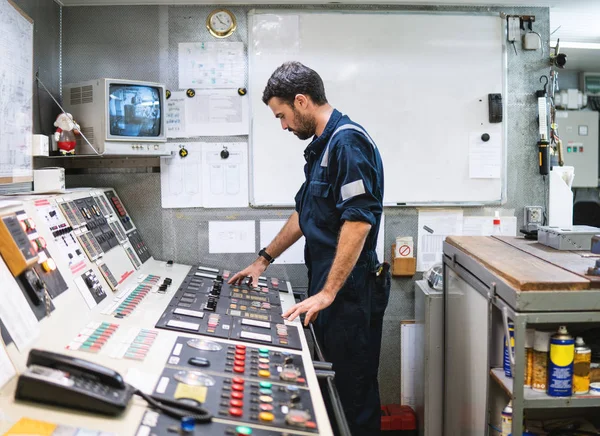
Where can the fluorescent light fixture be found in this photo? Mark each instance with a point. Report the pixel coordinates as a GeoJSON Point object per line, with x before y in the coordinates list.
{"type": "Point", "coordinates": [585, 45]}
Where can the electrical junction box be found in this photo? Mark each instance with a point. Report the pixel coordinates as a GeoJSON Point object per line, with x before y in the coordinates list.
{"type": "Point", "coordinates": [576, 238]}
{"type": "Point", "coordinates": [578, 131]}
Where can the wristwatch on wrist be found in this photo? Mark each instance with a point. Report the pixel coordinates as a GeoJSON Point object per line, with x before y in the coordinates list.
{"type": "Point", "coordinates": [266, 255]}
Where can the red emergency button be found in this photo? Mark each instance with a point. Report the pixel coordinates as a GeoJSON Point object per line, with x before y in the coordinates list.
{"type": "Point", "coordinates": [240, 347]}
{"type": "Point", "coordinates": [237, 395]}
{"type": "Point", "coordinates": [237, 403]}
{"type": "Point", "coordinates": [236, 411]}
{"type": "Point", "coordinates": [237, 387]}
{"type": "Point", "coordinates": [239, 369]}
{"type": "Point", "coordinates": [238, 380]}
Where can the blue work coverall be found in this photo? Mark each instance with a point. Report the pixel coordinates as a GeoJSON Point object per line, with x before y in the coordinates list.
{"type": "Point", "coordinates": [344, 182]}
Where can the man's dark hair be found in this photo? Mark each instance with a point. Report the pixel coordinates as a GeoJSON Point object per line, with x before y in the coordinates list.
{"type": "Point", "coordinates": [294, 78]}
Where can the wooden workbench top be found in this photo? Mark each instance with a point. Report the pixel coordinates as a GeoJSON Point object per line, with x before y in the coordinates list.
{"type": "Point", "coordinates": [528, 265]}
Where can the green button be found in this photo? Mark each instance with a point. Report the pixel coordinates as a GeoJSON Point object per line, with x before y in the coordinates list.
{"type": "Point", "coordinates": [265, 385]}
{"type": "Point", "coordinates": [263, 350]}
{"type": "Point", "coordinates": [243, 430]}
{"type": "Point", "coordinates": [265, 392]}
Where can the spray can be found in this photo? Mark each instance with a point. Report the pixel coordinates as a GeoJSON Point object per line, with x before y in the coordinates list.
{"type": "Point", "coordinates": [541, 345]}
{"type": "Point", "coordinates": [560, 365]}
{"type": "Point", "coordinates": [529, 341]}
{"type": "Point", "coordinates": [507, 350]}
{"type": "Point", "coordinates": [507, 413]}
{"type": "Point", "coordinates": [581, 367]}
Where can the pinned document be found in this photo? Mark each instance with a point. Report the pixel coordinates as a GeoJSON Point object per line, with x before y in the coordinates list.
{"type": "Point", "coordinates": [434, 226]}
{"type": "Point", "coordinates": [211, 65]}
{"type": "Point", "coordinates": [485, 155]}
{"type": "Point", "coordinates": [560, 195]}
{"type": "Point", "coordinates": [231, 237]}
{"type": "Point", "coordinates": [225, 174]}
{"type": "Point", "coordinates": [180, 179]}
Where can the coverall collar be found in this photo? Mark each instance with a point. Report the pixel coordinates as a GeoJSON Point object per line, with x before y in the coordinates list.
{"type": "Point", "coordinates": [319, 142]}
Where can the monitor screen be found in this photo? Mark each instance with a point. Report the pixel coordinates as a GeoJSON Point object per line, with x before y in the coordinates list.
{"type": "Point", "coordinates": [134, 110]}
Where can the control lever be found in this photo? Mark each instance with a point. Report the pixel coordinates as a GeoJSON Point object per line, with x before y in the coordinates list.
{"type": "Point", "coordinates": [33, 286]}
{"type": "Point", "coordinates": [324, 374]}
{"type": "Point", "coordinates": [326, 366]}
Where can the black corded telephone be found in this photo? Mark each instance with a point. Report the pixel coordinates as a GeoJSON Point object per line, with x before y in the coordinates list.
{"type": "Point", "coordinates": [75, 383]}
{"type": "Point", "coordinates": [61, 380]}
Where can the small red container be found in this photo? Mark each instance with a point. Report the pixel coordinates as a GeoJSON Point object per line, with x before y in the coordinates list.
{"type": "Point", "coordinates": [398, 420]}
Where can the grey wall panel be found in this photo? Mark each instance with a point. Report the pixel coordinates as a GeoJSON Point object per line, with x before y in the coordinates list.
{"type": "Point", "coordinates": [140, 42]}
{"type": "Point", "coordinates": [46, 60]}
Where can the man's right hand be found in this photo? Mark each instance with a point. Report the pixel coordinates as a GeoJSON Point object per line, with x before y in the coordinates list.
{"type": "Point", "coordinates": [253, 271]}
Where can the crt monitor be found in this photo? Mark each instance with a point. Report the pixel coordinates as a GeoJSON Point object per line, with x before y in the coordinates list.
{"type": "Point", "coordinates": [119, 117]}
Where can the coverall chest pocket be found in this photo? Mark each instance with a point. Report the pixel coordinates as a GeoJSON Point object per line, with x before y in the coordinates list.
{"type": "Point", "coordinates": [322, 203]}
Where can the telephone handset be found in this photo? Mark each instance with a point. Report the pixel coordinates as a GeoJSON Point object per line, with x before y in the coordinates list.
{"type": "Point", "coordinates": [61, 380]}
{"type": "Point", "coordinates": [68, 381]}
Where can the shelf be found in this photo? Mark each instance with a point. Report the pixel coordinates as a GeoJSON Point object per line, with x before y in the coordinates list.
{"type": "Point", "coordinates": [541, 400]}
{"type": "Point", "coordinates": [89, 161]}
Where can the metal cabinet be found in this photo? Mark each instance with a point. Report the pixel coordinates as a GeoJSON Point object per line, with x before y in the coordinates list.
{"type": "Point", "coordinates": [429, 354]}
{"type": "Point", "coordinates": [479, 301]}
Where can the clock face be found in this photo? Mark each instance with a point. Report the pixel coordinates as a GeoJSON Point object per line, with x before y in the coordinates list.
{"type": "Point", "coordinates": [221, 23]}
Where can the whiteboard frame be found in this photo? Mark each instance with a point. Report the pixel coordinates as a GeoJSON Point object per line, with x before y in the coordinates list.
{"type": "Point", "coordinates": [504, 60]}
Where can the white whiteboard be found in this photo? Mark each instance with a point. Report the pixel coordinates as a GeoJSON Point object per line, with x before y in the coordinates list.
{"type": "Point", "coordinates": [16, 91]}
{"type": "Point", "coordinates": [418, 83]}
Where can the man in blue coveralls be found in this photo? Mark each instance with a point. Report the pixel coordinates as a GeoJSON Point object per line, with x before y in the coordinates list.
{"type": "Point", "coordinates": [338, 210]}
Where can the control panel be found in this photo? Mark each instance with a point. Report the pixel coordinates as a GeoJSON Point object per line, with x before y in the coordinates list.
{"type": "Point", "coordinates": [139, 246]}
{"type": "Point", "coordinates": [63, 235]}
{"type": "Point", "coordinates": [119, 209]}
{"type": "Point", "coordinates": [96, 223]}
{"type": "Point", "coordinates": [93, 285]}
{"type": "Point", "coordinates": [239, 385]}
{"type": "Point", "coordinates": [253, 363]}
{"type": "Point", "coordinates": [228, 347]}
{"type": "Point", "coordinates": [205, 304]}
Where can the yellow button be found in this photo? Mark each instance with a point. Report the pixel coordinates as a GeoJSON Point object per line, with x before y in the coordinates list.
{"type": "Point", "coordinates": [266, 416]}
{"type": "Point", "coordinates": [49, 265]}
{"type": "Point", "coordinates": [264, 373]}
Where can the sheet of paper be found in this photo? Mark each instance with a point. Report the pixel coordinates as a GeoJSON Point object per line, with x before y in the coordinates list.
{"type": "Point", "coordinates": [175, 118]}
{"type": "Point", "coordinates": [225, 181]}
{"type": "Point", "coordinates": [217, 112]}
{"type": "Point", "coordinates": [231, 237]}
{"type": "Point", "coordinates": [16, 96]}
{"type": "Point", "coordinates": [211, 65]}
{"type": "Point", "coordinates": [180, 177]}
{"type": "Point", "coordinates": [485, 157]}
{"type": "Point", "coordinates": [15, 313]}
{"type": "Point", "coordinates": [484, 226]}
{"type": "Point", "coordinates": [268, 231]}
{"type": "Point", "coordinates": [380, 248]}
{"type": "Point", "coordinates": [434, 225]}
{"type": "Point", "coordinates": [7, 369]}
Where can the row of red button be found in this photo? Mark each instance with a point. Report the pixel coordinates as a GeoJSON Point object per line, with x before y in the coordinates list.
{"type": "Point", "coordinates": [237, 387]}
{"type": "Point", "coordinates": [239, 361]}
{"type": "Point", "coordinates": [119, 206]}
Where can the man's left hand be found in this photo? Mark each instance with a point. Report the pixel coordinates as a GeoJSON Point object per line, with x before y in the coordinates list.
{"type": "Point", "coordinates": [311, 306]}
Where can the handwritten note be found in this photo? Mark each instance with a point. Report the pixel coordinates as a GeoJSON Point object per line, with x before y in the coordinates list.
{"type": "Point", "coordinates": [175, 117]}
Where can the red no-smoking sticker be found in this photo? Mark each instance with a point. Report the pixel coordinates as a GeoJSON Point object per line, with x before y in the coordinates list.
{"type": "Point", "coordinates": [404, 250]}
